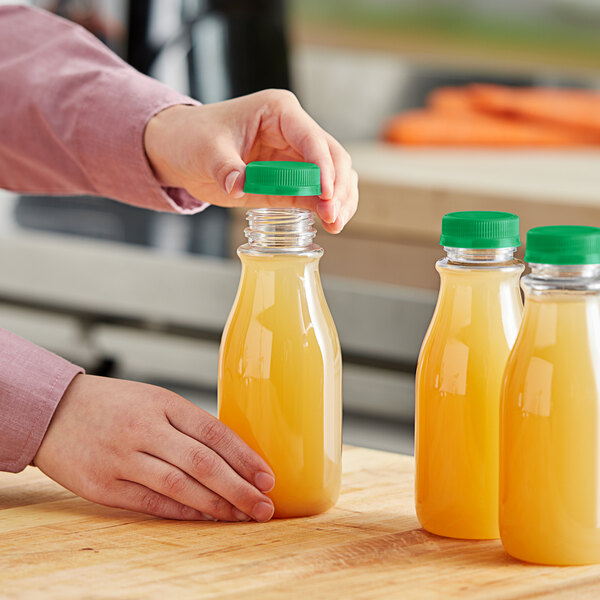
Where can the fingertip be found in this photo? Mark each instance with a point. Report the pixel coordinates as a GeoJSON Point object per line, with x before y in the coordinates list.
{"type": "Point", "coordinates": [263, 511]}
{"type": "Point", "coordinates": [328, 227]}
{"type": "Point", "coordinates": [230, 181]}
{"type": "Point", "coordinates": [328, 210]}
{"type": "Point", "coordinates": [326, 188]}
{"type": "Point", "coordinates": [336, 226]}
{"type": "Point", "coordinates": [265, 482]}
{"type": "Point", "coordinates": [238, 187]}
{"type": "Point", "coordinates": [336, 211]}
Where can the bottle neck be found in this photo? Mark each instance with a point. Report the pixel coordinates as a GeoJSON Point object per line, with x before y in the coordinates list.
{"type": "Point", "coordinates": [572, 278]}
{"type": "Point", "coordinates": [280, 231]}
{"type": "Point", "coordinates": [479, 256]}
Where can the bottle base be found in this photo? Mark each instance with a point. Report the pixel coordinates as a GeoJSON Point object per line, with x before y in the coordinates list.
{"type": "Point", "coordinates": [458, 532]}
{"type": "Point", "coordinates": [449, 524]}
{"type": "Point", "coordinates": [555, 563]}
{"type": "Point", "coordinates": [296, 512]}
{"type": "Point", "coordinates": [461, 535]}
{"type": "Point", "coordinates": [552, 561]}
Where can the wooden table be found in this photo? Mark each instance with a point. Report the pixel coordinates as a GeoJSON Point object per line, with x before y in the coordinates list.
{"type": "Point", "coordinates": [54, 545]}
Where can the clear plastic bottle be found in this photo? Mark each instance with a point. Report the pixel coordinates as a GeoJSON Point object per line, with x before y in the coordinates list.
{"type": "Point", "coordinates": [280, 367]}
{"type": "Point", "coordinates": [459, 374]}
{"type": "Point", "coordinates": [550, 426]}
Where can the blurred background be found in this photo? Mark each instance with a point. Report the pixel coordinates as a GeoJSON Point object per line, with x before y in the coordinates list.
{"type": "Point", "coordinates": [133, 294]}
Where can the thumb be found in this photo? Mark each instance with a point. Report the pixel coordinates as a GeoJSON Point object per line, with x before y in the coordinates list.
{"type": "Point", "coordinates": [227, 169]}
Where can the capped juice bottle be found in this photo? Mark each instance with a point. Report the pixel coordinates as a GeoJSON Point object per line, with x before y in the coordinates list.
{"type": "Point", "coordinates": [550, 424]}
{"type": "Point", "coordinates": [280, 365]}
{"type": "Point", "coordinates": [459, 373]}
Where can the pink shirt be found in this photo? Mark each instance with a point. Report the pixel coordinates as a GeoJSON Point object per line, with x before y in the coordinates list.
{"type": "Point", "coordinates": [72, 118]}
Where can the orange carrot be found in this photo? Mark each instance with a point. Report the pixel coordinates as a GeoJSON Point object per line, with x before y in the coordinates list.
{"type": "Point", "coordinates": [431, 128]}
{"type": "Point", "coordinates": [561, 106]}
{"type": "Point", "coordinates": [450, 100]}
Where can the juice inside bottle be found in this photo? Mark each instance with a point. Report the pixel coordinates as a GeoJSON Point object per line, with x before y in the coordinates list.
{"type": "Point", "coordinates": [280, 365]}
{"type": "Point", "coordinates": [550, 442]}
{"type": "Point", "coordinates": [280, 380]}
{"type": "Point", "coordinates": [459, 375]}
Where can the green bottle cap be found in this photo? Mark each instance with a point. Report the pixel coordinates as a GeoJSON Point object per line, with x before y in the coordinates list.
{"type": "Point", "coordinates": [563, 245]}
{"type": "Point", "coordinates": [480, 229]}
{"type": "Point", "coordinates": [283, 178]}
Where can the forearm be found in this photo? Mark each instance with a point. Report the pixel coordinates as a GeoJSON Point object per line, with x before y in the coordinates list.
{"type": "Point", "coordinates": [32, 382]}
{"type": "Point", "coordinates": [72, 115]}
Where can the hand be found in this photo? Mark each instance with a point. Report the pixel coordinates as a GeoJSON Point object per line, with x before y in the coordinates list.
{"type": "Point", "coordinates": [204, 149]}
{"type": "Point", "coordinates": [140, 447]}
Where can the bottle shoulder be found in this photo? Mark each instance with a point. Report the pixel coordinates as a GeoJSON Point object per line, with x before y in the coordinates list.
{"type": "Point", "coordinates": [474, 298]}
{"type": "Point", "coordinates": [314, 251]}
{"type": "Point", "coordinates": [447, 266]}
{"type": "Point", "coordinates": [559, 319]}
{"type": "Point", "coordinates": [559, 289]}
{"type": "Point", "coordinates": [474, 315]}
{"type": "Point", "coordinates": [286, 299]}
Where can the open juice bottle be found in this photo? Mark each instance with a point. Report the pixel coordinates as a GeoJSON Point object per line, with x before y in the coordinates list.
{"type": "Point", "coordinates": [280, 366]}
{"type": "Point", "coordinates": [550, 425]}
{"type": "Point", "coordinates": [459, 374]}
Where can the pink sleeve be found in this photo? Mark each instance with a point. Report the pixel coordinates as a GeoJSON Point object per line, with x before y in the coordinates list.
{"type": "Point", "coordinates": [72, 118]}
{"type": "Point", "coordinates": [72, 115]}
{"type": "Point", "coordinates": [32, 382]}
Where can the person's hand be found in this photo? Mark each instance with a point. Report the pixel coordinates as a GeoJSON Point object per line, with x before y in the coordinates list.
{"type": "Point", "coordinates": [204, 149]}
{"type": "Point", "coordinates": [140, 447]}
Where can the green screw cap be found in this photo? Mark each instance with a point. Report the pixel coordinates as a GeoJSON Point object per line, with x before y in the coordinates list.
{"type": "Point", "coordinates": [283, 178]}
{"type": "Point", "coordinates": [480, 229]}
{"type": "Point", "coordinates": [563, 245]}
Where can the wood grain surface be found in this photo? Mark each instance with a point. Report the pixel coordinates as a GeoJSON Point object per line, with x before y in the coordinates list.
{"type": "Point", "coordinates": [54, 545]}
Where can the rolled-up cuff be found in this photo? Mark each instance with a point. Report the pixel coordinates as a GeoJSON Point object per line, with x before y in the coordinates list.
{"type": "Point", "coordinates": [119, 146]}
{"type": "Point", "coordinates": [183, 202]}
{"type": "Point", "coordinates": [32, 382]}
{"type": "Point", "coordinates": [150, 194]}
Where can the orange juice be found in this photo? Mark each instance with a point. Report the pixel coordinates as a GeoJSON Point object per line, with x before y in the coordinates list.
{"type": "Point", "coordinates": [280, 373]}
{"type": "Point", "coordinates": [459, 374]}
{"type": "Point", "coordinates": [550, 442]}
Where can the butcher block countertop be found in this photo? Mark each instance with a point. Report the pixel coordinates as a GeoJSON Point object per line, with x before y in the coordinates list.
{"type": "Point", "coordinates": [54, 545]}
